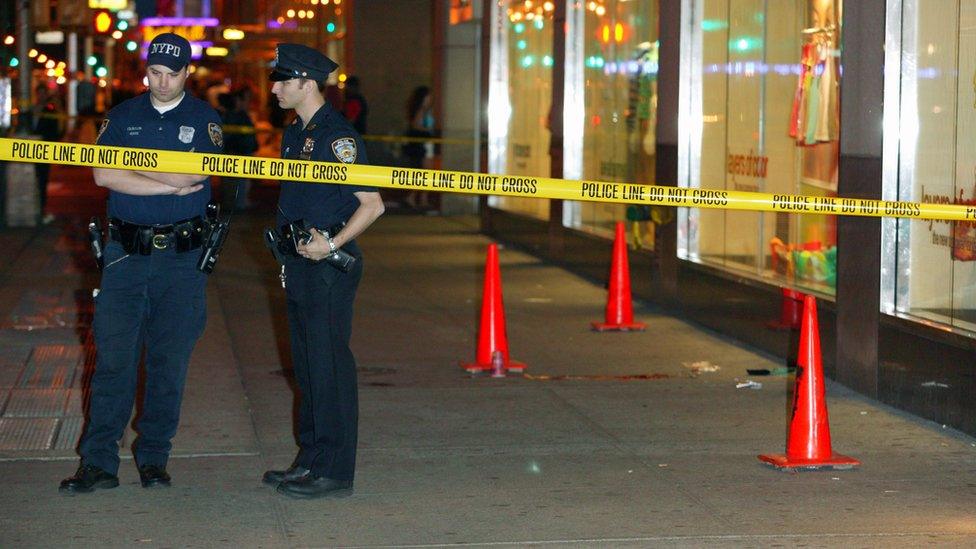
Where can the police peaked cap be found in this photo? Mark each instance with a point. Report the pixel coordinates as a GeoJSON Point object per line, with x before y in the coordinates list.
{"type": "Point", "coordinates": [298, 61]}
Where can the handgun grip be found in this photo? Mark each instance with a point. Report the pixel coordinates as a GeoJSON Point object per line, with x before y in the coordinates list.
{"type": "Point", "coordinates": [272, 240]}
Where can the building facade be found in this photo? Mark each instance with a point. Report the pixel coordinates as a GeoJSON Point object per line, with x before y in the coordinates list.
{"type": "Point", "coordinates": [867, 99]}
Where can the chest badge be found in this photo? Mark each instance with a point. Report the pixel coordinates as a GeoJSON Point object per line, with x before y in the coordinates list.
{"type": "Point", "coordinates": [186, 134]}
{"type": "Point", "coordinates": [306, 153]}
{"type": "Point", "coordinates": [345, 149]}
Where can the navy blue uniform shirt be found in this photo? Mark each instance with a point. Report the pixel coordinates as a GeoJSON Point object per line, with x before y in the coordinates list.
{"type": "Point", "coordinates": [192, 126]}
{"type": "Point", "coordinates": [328, 137]}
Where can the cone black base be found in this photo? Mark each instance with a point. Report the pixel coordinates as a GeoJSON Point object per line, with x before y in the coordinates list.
{"type": "Point", "coordinates": [629, 327]}
{"type": "Point", "coordinates": [513, 366]}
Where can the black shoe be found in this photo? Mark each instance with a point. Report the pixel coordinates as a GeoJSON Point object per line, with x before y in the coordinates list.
{"type": "Point", "coordinates": [316, 487]}
{"type": "Point", "coordinates": [153, 476]}
{"type": "Point", "coordinates": [293, 473]}
{"type": "Point", "coordinates": [86, 479]}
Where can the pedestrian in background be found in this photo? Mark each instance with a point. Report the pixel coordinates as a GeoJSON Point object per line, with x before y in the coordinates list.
{"type": "Point", "coordinates": [355, 108]}
{"type": "Point", "coordinates": [239, 139]}
{"type": "Point", "coordinates": [152, 296]}
{"type": "Point", "coordinates": [49, 124]}
{"type": "Point", "coordinates": [277, 116]}
{"type": "Point", "coordinates": [84, 90]}
{"type": "Point", "coordinates": [320, 295]}
{"type": "Point", "coordinates": [417, 153]}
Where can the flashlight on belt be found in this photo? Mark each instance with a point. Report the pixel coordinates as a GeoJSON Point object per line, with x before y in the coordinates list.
{"type": "Point", "coordinates": [95, 240]}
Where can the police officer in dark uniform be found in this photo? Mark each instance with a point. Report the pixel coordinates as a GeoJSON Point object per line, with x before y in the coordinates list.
{"type": "Point", "coordinates": [320, 296]}
{"type": "Point", "coordinates": [152, 294]}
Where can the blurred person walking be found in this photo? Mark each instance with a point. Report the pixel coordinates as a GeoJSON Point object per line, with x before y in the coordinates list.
{"type": "Point", "coordinates": [355, 108]}
{"type": "Point", "coordinates": [84, 90]}
{"type": "Point", "coordinates": [417, 153]}
{"type": "Point", "coordinates": [239, 139]}
{"type": "Point", "coordinates": [49, 124]}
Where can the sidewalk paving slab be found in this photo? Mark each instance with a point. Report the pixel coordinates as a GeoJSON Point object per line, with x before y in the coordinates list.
{"type": "Point", "coordinates": [577, 453]}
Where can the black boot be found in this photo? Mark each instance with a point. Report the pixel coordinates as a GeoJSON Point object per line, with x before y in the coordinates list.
{"type": "Point", "coordinates": [153, 476]}
{"type": "Point", "coordinates": [316, 487]}
{"type": "Point", "coordinates": [86, 479]}
{"type": "Point", "coordinates": [291, 474]}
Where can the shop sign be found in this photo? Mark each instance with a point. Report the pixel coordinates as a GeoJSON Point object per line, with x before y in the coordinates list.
{"type": "Point", "coordinates": [193, 29]}
{"type": "Point", "coordinates": [961, 237]}
{"type": "Point", "coordinates": [194, 33]}
{"type": "Point", "coordinates": [748, 165]}
{"type": "Point", "coordinates": [113, 5]}
{"type": "Point", "coordinates": [49, 37]}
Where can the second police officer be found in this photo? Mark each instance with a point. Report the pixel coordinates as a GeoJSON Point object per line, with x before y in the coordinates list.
{"type": "Point", "coordinates": [320, 295]}
{"type": "Point", "coordinates": [152, 295]}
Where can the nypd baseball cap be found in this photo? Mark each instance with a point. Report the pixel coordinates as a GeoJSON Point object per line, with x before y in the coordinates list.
{"type": "Point", "coordinates": [298, 61]}
{"type": "Point", "coordinates": [170, 50]}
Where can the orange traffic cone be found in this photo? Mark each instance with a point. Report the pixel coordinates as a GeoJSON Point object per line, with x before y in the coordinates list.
{"type": "Point", "coordinates": [491, 337]}
{"type": "Point", "coordinates": [790, 311]}
{"type": "Point", "coordinates": [808, 442]}
{"type": "Point", "coordinates": [620, 312]}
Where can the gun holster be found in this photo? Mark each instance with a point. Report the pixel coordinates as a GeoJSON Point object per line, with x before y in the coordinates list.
{"type": "Point", "coordinates": [290, 235]}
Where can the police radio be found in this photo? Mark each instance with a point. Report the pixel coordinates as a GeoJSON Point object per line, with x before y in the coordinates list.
{"type": "Point", "coordinates": [214, 243]}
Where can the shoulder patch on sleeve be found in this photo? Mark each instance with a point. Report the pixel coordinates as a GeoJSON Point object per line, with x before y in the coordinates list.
{"type": "Point", "coordinates": [216, 134]}
{"type": "Point", "coordinates": [345, 149]}
{"type": "Point", "coordinates": [101, 129]}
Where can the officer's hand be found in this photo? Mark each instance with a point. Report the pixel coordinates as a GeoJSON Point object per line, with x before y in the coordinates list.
{"type": "Point", "coordinates": [317, 248]}
{"type": "Point", "coordinates": [183, 191]}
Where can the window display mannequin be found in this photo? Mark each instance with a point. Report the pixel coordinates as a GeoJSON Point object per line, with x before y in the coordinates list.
{"type": "Point", "coordinates": [815, 126]}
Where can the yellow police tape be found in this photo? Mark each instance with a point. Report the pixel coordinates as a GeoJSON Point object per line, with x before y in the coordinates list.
{"type": "Point", "coordinates": [20, 150]}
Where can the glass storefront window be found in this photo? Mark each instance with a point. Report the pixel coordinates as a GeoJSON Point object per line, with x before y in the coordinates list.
{"type": "Point", "coordinates": [765, 89]}
{"type": "Point", "coordinates": [525, 31]}
{"type": "Point", "coordinates": [618, 76]}
{"type": "Point", "coordinates": [930, 270]}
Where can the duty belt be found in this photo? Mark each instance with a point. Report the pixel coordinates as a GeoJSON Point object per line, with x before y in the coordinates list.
{"type": "Point", "coordinates": [183, 235]}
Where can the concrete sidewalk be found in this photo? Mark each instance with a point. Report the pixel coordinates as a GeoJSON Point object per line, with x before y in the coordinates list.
{"type": "Point", "coordinates": [573, 454]}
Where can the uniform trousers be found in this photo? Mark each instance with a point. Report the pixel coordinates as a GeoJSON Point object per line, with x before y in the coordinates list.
{"type": "Point", "coordinates": [320, 304]}
{"type": "Point", "coordinates": [155, 302]}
